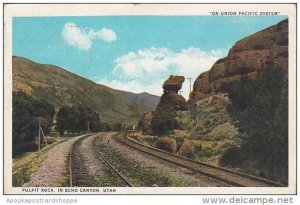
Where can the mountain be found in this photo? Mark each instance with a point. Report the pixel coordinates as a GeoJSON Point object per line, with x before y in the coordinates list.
{"type": "Point", "coordinates": [245, 60]}
{"type": "Point", "coordinates": [145, 98]}
{"type": "Point", "coordinates": [60, 87]}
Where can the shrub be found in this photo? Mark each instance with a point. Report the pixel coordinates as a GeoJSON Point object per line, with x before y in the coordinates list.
{"type": "Point", "coordinates": [179, 140]}
{"type": "Point", "coordinates": [261, 110]}
{"type": "Point", "coordinates": [25, 113]}
{"type": "Point", "coordinates": [163, 121]}
{"type": "Point", "coordinates": [187, 150]}
{"type": "Point", "coordinates": [230, 157]}
{"type": "Point", "coordinates": [197, 148]}
{"type": "Point", "coordinates": [167, 144]}
{"type": "Point", "coordinates": [206, 152]}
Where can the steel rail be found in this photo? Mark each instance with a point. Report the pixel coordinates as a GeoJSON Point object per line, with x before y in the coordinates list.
{"type": "Point", "coordinates": [71, 181]}
{"type": "Point", "coordinates": [229, 177]}
{"type": "Point", "coordinates": [101, 157]}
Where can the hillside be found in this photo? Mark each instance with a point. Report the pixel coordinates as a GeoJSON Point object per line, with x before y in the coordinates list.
{"type": "Point", "coordinates": [238, 109]}
{"type": "Point", "coordinates": [145, 98]}
{"type": "Point", "coordinates": [60, 87]}
{"type": "Point", "coordinates": [237, 113]}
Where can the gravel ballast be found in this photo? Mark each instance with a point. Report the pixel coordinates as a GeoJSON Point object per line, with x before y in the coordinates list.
{"type": "Point", "coordinates": [53, 171]}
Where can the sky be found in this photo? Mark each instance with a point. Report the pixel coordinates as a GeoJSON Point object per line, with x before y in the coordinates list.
{"type": "Point", "coordinates": [133, 53]}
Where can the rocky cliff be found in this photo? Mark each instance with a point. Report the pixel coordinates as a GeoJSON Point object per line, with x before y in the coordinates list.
{"type": "Point", "coordinates": [147, 123]}
{"type": "Point", "coordinates": [170, 97]}
{"type": "Point", "coordinates": [245, 60]}
{"type": "Point", "coordinates": [170, 101]}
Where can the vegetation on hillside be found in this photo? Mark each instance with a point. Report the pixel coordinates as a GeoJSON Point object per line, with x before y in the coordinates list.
{"type": "Point", "coordinates": [246, 129]}
{"type": "Point", "coordinates": [62, 88]}
{"type": "Point", "coordinates": [26, 112]}
{"type": "Point", "coordinates": [75, 119]}
{"type": "Point", "coordinates": [78, 119]}
{"type": "Point", "coordinates": [261, 110]}
{"type": "Point", "coordinates": [163, 121]}
{"type": "Point", "coordinates": [208, 126]}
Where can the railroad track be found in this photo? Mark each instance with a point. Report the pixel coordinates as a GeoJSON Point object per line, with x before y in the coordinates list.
{"type": "Point", "coordinates": [221, 174]}
{"type": "Point", "coordinates": [102, 157]}
{"type": "Point", "coordinates": [78, 173]}
{"type": "Point", "coordinates": [79, 176]}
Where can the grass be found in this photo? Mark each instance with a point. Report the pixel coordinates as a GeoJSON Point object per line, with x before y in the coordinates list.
{"type": "Point", "coordinates": [145, 139]}
{"type": "Point", "coordinates": [65, 179]}
{"type": "Point", "coordinates": [27, 163]}
{"type": "Point", "coordinates": [22, 156]}
{"type": "Point", "coordinates": [107, 179]}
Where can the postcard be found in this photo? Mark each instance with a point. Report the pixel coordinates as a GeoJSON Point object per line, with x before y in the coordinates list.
{"type": "Point", "coordinates": [149, 99]}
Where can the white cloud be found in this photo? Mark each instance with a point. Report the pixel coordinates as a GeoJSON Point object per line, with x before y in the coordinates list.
{"type": "Point", "coordinates": [145, 70]}
{"type": "Point", "coordinates": [83, 37]}
{"type": "Point", "coordinates": [76, 36]}
{"type": "Point", "coordinates": [107, 35]}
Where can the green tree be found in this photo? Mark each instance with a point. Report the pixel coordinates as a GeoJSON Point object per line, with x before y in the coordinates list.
{"type": "Point", "coordinates": [74, 119]}
{"type": "Point", "coordinates": [261, 108]}
{"type": "Point", "coordinates": [163, 121]}
{"type": "Point", "coordinates": [140, 125]}
{"type": "Point", "coordinates": [62, 121]}
{"type": "Point", "coordinates": [25, 113]}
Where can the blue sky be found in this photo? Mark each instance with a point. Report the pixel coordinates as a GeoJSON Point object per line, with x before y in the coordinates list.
{"type": "Point", "coordinates": [133, 53]}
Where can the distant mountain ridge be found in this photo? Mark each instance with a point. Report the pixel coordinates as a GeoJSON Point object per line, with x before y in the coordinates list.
{"type": "Point", "coordinates": [60, 87]}
{"type": "Point", "coordinates": [146, 98]}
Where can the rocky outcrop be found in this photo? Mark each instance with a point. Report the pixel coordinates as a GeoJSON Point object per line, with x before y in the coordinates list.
{"type": "Point", "coordinates": [170, 97]}
{"type": "Point", "coordinates": [187, 149]}
{"type": "Point", "coordinates": [170, 101]}
{"type": "Point", "coordinates": [146, 121]}
{"type": "Point", "coordinates": [174, 83]}
{"type": "Point", "coordinates": [166, 143]}
{"type": "Point", "coordinates": [245, 60]}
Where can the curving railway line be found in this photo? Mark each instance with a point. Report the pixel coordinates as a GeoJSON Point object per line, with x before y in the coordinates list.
{"type": "Point", "coordinates": [221, 174]}
{"type": "Point", "coordinates": [102, 157]}
{"type": "Point", "coordinates": [79, 176]}
{"type": "Point", "coordinates": [77, 172]}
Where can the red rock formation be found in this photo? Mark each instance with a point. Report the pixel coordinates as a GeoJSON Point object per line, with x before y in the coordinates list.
{"type": "Point", "coordinates": [245, 60]}
{"type": "Point", "coordinates": [167, 144]}
{"type": "Point", "coordinates": [187, 149]}
{"type": "Point", "coordinates": [174, 83]}
{"type": "Point", "coordinates": [171, 98]}
{"type": "Point", "coordinates": [146, 121]}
